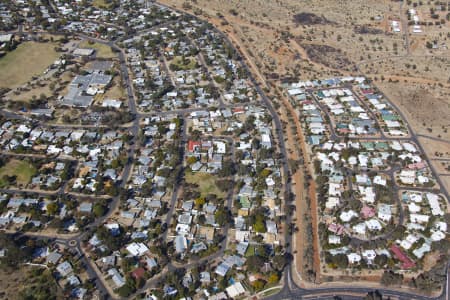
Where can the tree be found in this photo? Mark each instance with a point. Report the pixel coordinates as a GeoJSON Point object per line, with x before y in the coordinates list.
{"type": "Point", "coordinates": [221, 216]}
{"type": "Point", "coordinates": [390, 278]}
{"type": "Point", "coordinates": [376, 295]}
{"type": "Point", "coordinates": [278, 262]}
{"type": "Point", "coordinates": [254, 263]}
{"type": "Point", "coordinates": [259, 226]}
{"type": "Point", "coordinates": [40, 285]}
{"type": "Point", "coordinates": [191, 160]}
{"type": "Point", "coordinates": [273, 278]}
{"type": "Point", "coordinates": [52, 208]}
{"type": "Point", "coordinates": [381, 260]}
{"type": "Point", "coordinates": [199, 202]}
{"type": "Point", "coordinates": [99, 210]}
{"type": "Point", "coordinates": [258, 284]}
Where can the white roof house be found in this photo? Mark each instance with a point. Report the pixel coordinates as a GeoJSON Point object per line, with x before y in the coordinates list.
{"type": "Point", "coordinates": [235, 290]}
{"type": "Point", "coordinates": [346, 216]}
{"type": "Point", "coordinates": [242, 236]}
{"type": "Point", "coordinates": [407, 176]}
{"type": "Point", "coordinates": [137, 249]}
{"type": "Point", "coordinates": [420, 252]}
{"type": "Point", "coordinates": [369, 255]}
{"type": "Point", "coordinates": [417, 218]}
{"type": "Point", "coordinates": [353, 258]}
{"type": "Point", "coordinates": [433, 200]}
{"type": "Point", "coordinates": [220, 146]}
{"type": "Point", "coordinates": [373, 224]}
{"type": "Point", "coordinates": [415, 197]}
{"type": "Point", "coordinates": [334, 239]}
{"type": "Point", "coordinates": [332, 202]}
{"type": "Point", "coordinates": [64, 268]}
{"type": "Point", "coordinates": [360, 228]}
{"type": "Point", "coordinates": [384, 212]}
{"type": "Point", "coordinates": [437, 236]}
{"type": "Point", "coordinates": [413, 208]}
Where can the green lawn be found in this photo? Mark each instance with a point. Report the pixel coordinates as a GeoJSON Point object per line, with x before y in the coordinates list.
{"type": "Point", "coordinates": [206, 183]}
{"type": "Point", "coordinates": [24, 62]}
{"type": "Point", "coordinates": [250, 251]}
{"type": "Point", "coordinates": [102, 51]}
{"type": "Point", "coordinates": [23, 170]}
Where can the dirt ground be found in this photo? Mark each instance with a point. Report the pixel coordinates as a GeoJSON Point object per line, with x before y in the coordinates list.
{"type": "Point", "coordinates": [9, 289]}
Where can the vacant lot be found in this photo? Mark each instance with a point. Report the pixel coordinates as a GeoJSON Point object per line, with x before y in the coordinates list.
{"type": "Point", "coordinates": [27, 60]}
{"type": "Point", "coordinates": [100, 3]}
{"type": "Point", "coordinates": [102, 51]}
{"type": "Point", "coordinates": [22, 170]}
{"type": "Point", "coordinates": [206, 183]}
{"type": "Point", "coordinates": [35, 283]}
{"type": "Point", "coordinates": [180, 63]}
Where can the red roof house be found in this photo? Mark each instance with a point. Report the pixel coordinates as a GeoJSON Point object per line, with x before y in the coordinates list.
{"type": "Point", "coordinates": [407, 262]}
{"type": "Point", "coordinates": [138, 273]}
{"type": "Point", "coordinates": [367, 212]}
{"type": "Point", "coordinates": [193, 146]}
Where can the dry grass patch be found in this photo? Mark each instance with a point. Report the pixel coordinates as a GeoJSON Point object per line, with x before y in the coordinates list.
{"type": "Point", "coordinates": [102, 51]}
{"type": "Point", "coordinates": [27, 60]}
{"type": "Point", "coordinates": [21, 169]}
{"type": "Point", "coordinates": [206, 183]}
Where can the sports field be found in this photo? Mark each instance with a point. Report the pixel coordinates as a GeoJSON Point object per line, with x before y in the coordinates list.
{"type": "Point", "coordinates": [27, 60]}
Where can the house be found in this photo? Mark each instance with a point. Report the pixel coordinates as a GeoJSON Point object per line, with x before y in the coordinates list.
{"type": "Point", "coordinates": [85, 207]}
{"type": "Point", "coordinates": [369, 255]}
{"type": "Point", "coordinates": [137, 249]}
{"type": "Point", "coordinates": [353, 258]}
{"type": "Point", "coordinates": [151, 263]}
{"type": "Point", "coordinates": [407, 263]}
{"type": "Point", "coordinates": [198, 247]}
{"type": "Point", "coordinates": [194, 146]}
{"type": "Point", "coordinates": [373, 224]}
{"type": "Point", "coordinates": [64, 268]}
{"type": "Point", "coordinates": [180, 243]}
{"type": "Point", "coordinates": [73, 280]}
{"type": "Point", "coordinates": [53, 258]}
{"type": "Point", "coordinates": [367, 212]}
{"type": "Point", "coordinates": [408, 176]}
{"type": "Point", "coordinates": [242, 235]}
{"type": "Point", "coordinates": [433, 201]}
{"type": "Point", "coordinates": [205, 277]}
{"type": "Point", "coordinates": [118, 279]}
{"type": "Point", "coordinates": [418, 218]}
{"type": "Point", "coordinates": [360, 228]}
{"type": "Point", "coordinates": [222, 269]}
{"type": "Point", "coordinates": [83, 52]}
{"type": "Point", "coordinates": [334, 239]}
{"type": "Point", "coordinates": [420, 252]}
{"type": "Point", "coordinates": [346, 216]}
{"type": "Point", "coordinates": [384, 212]}
{"type": "Point", "coordinates": [235, 290]}
{"type": "Point", "coordinates": [138, 273]}
{"type": "Point", "coordinates": [112, 103]}
{"type": "Point", "coordinates": [5, 38]}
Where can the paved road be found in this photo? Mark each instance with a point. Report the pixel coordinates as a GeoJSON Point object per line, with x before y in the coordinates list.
{"type": "Point", "coordinates": [177, 183]}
